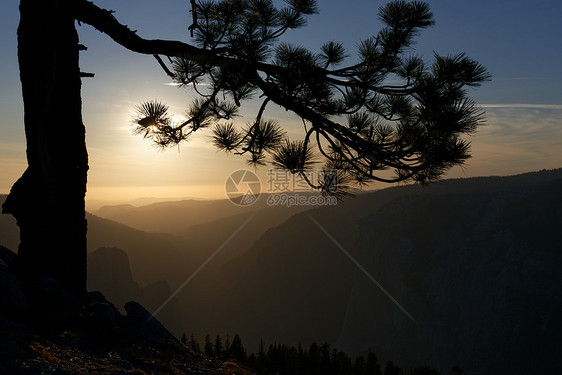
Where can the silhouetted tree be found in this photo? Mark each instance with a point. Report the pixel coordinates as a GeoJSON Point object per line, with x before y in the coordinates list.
{"type": "Point", "coordinates": [218, 350]}
{"type": "Point", "coordinates": [193, 344]}
{"type": "Point", "coordinates": [237, 350]}
{"type": "Point", "coordinates": [325, 358]}
{"type": "Point", "coordinates": [209, 349]}
{"type": "Point", "coordinates": [48, 199]}
{"type": "Point", "coordinates": [341, 363]}
{"type": "Point", "coordinates": [318, 359]}
{"type": "Point", "coordinates": [313, 360]}
{"type": "Point", "coordinates": [423, 370]}
{"type": "Point", "coordinates": [386, 110]}
{"type": "Point", "coordinates": [258, 362]}
{"type": "Point", "coordinates": [253, 362]}
{"type": "Point", "coordinates": [392, 369]}
{"type": "Point", "coordinates": [359, 366]}
{"type": "Point", "coordinates": [261, 350]}
{"type": "Point", "coordinates": [373, 367]}
{"type": "Point", "coordinates": [227, 347]}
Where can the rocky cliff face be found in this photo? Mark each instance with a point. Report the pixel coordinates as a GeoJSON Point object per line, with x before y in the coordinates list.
{"type": "Point", "coordinates": [478, 268]}
{"type": "Point", "coordinates": [109, 271]}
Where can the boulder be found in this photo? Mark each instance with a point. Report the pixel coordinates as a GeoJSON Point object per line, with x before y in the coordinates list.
{"type": "Point", "coordinates": [102, 317]}
{"type": "Point", "coordinates": [50, 305]}
{"type": "Point", "coordinates": [153, 295]}
{"type": "Point", "coordinates": [146, 326]}
{"type": "Point", "coordinates": [12, 299]}
{"type": "Point", "coordinates": [6, 255]}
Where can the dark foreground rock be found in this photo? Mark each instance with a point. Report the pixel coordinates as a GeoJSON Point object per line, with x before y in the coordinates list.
{"type": "Point", "coordinates": [12, 300]}
{"type": "Point", "coordinates": [23, 353]}
{"type": "Point", "coordinates": [46, 330]}
{"type": "Point", "coordinates": [145, 325]}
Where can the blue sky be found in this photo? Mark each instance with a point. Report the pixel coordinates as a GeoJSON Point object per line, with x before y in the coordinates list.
{"type": "Point", "coordinates": [518, 41]}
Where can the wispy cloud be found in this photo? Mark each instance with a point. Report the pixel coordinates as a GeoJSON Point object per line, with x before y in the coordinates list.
{"type": "Point", "coordinates": [536, 106]}
{"type": "Point", "coordinates": [531, 123]}
{"type": "Point", "coordinates": [177, 84]}
{"type": "Point", "coordinates": [516, 138]}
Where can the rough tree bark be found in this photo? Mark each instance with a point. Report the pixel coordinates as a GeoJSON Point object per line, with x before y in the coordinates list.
{"type": "Point", "coordinates": [48, 200]}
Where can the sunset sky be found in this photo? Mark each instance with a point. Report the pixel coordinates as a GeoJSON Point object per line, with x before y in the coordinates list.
{"type": "Point", "coordinates": [519, 41]}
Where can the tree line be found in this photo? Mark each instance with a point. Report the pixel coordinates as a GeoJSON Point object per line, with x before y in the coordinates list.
{"type": "Point", "coordinates": [317, 359]}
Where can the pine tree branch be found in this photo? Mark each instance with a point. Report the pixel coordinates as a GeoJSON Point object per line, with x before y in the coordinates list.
{"type": "Point", "coordinates": [165, 67]}
{"type": "Point", "coordinates": [309, 90]}
{"type": "Point", "coordinates": [104, 21]}
{"type": "Point", "coordinates": [193, 11]}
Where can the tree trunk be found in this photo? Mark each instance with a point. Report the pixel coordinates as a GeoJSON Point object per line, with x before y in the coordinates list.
{"type": "Point", "coordinates": [48, 200]}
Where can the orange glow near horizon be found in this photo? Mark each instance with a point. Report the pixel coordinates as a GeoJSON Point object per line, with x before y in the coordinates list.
{"type": "Point", "coordinates": [122, 194]}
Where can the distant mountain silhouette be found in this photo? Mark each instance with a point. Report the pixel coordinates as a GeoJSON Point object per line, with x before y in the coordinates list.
{"type": "Point", "coordinates": [207, 237]}
{"type": "Point", "coordinates": [172, 217]}
{"type": "Point", "coordinates": [92, 205]}
{"type": "Point", "coordinates": [177, 216]}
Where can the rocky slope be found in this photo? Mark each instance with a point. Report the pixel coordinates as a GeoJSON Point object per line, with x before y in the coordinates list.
{"type": "Point", "coordinates": [46, 330]}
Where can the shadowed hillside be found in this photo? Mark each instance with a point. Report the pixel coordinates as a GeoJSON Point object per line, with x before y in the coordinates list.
{"type": "Point", "coordinates": [479, 269]}
{"type": "Point", "coordinates": [292, 275]}
{"type": "Point", "coordinates": [457, 245]}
